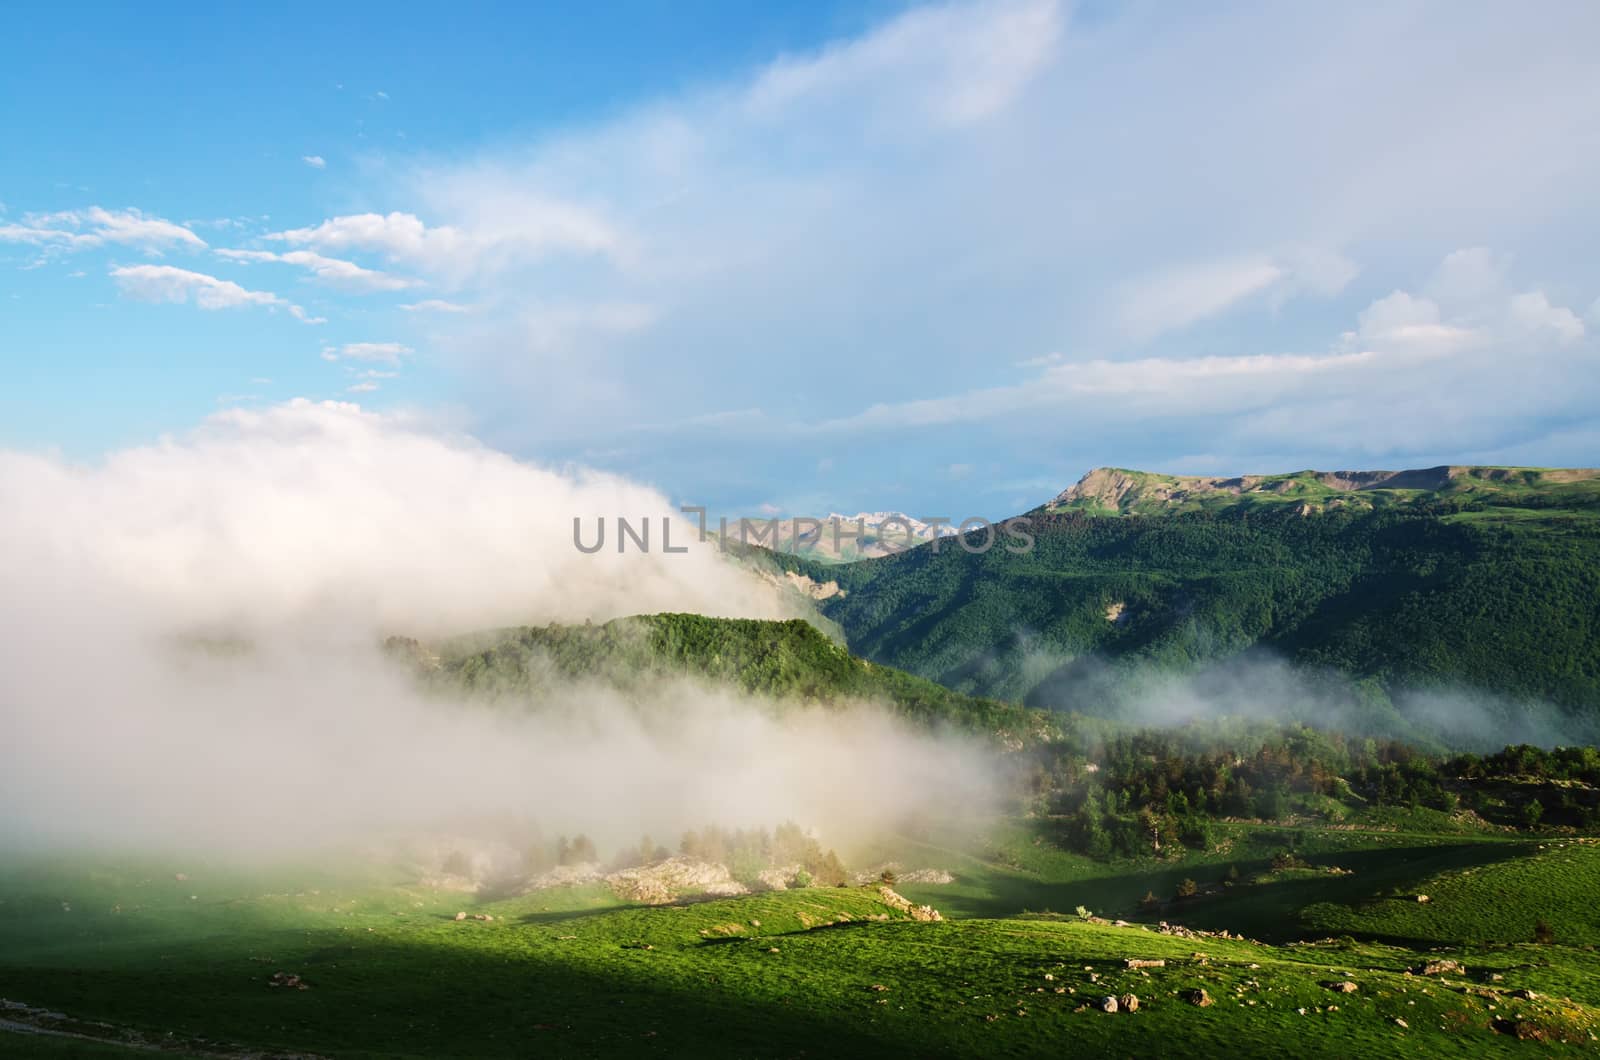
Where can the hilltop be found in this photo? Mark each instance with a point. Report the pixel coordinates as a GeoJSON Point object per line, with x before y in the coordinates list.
{"type": "Point", "coordinates": [780, 660]}
{"type": "Point", "coordinates": [1120, 491]}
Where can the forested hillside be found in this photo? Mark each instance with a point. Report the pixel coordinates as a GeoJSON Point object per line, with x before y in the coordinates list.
{"type": "Point", "coordinates": [788, 660]}
{"type": "Point", "coordinates": [1495, 592]}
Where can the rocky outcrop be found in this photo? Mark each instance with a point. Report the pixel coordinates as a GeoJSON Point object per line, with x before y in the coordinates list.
{"type": "Point", "coordinates": [670, 880]}
{"type": "Point", "coordinates": [903, 904]}
{"type": "Point", "coordinates": [1442, 967]}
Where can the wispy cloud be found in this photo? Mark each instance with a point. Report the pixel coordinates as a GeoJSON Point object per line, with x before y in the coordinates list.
{"type": "Point", "coordinates": [167, 283]}
{"type": "Point", "coordinates": [314, 161]}
{"type": "Point", "coordinates": [436, 305]}
{"type": "Point", "coordinates": [533, 229]}
{"type": "Point", "coordinates": [380, 352]}
{"type": "Point", "coordinates": [335, 272]}
{"type": "Point", "coordinates": [1174, 298]}
{"type": "Point", "coordinates": [97, 227]}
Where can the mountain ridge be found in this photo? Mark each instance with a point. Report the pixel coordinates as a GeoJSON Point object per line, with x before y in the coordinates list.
{"type": "Point", "coordinates": [1486, 587]}
{"type": "Point", "coordinates": [1125, 491]}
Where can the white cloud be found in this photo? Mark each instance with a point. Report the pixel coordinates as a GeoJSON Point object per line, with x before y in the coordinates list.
{"type": "Point", "coordinates": [313, 531]}
{"type": "Point", "coordinates": [1174, 298]}
{"type": "Point", "coordinates": [1147, 385]}
{"type": "Point", "coordinates": [31, 234]}
{"type": "Point", "coordinates": [379, 352]}
{"type": "Point", "coordinates": [335, 272]}
{"type": "Point", "coordinates": [957, 64]}
{"type": "Point", "coordinates": [97, 226]}
{"type": "Point", "coordinates": [363, 387]}
{"type": "Point", "coordinates": [166, 283]}
{"type": "Point", "coordinates": [1403, 320]}
{"type": "Point", "coordinates": [1468, 275]}
{"type": "Point", "coordinates": [1532, 312]}
{"type": "Point", "coordinates": [314, 161]}
{"type": "Point", "coordinates": [1398, 346]}
{"type": "Point", "coordinates": [436, 305]}
{"type": "Point", "coordinates": [530, 230]}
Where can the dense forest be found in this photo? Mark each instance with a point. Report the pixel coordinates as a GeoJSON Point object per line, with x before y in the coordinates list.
{"type": "Point", "coordinates": [1390, 601]}
{"type": "Point", "coordinates": [787, 661]}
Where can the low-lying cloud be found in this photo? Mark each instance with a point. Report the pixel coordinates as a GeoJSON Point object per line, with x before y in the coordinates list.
{"type": "Point", "coordinates": [191, 644]}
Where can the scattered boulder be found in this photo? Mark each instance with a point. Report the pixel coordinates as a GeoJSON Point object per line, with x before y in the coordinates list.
{"type": "Point", "coordinates": [1423, 899]}
{"type": "Point", "coordinates": [1139, 962]}
{"type": "Point", "coordinates": [1108, 1004]}
{"type": "Point", "coordinates": [1198, 997]}
{"type": "Point", "coordinates": [461, 916]}
{"type": "Point", "coordinates": [1343, 986]}
{"type": "Point", "coordinates": [1524, 994]}
{"type": "Point", "coordinates": [1129, 1002]}
{"type": "Point", "coordinates": [287, 980]}
{"type": "Point", "coordinates": [567, 876]}
{"type": "Point", "coordinates": [1442, 967]}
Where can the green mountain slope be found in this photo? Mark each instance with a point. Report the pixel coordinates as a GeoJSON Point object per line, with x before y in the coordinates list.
{"type": "Point", "coordinates": [787, 660]}
{"type": "Point", "coordinates": [1489, 581]}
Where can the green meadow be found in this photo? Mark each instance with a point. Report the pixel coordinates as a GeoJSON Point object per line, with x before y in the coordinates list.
{"type": "Point", "coordinates": [132, 954]}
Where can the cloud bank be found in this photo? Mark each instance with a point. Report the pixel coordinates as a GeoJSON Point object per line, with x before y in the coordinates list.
{"type": "Point", "coordinates": [191, 644]}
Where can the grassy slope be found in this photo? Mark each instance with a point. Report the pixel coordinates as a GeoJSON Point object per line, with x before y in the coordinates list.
{"type": "Point", "coordinates": [567, 973]}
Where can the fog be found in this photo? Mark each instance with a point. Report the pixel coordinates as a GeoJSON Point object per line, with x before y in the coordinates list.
{"type": "Point", "coordinates": [1259, 685]}
{"type": "Point", "coordinates": [190, 631]}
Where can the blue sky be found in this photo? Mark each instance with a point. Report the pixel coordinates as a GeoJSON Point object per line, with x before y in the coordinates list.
{"type": "Point", "coordinates": [816, 257]}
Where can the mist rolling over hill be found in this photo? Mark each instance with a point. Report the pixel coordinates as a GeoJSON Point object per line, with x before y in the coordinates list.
{"type": "Point", "coordinates": [422, 637]}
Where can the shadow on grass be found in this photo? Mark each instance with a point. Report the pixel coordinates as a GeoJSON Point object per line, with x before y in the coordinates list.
{"type": "Point", "coordinates": [557, 916]}
{"type": "Point", "coordinates": [398, 999]}
{"type": "Point", "coordinates": [1269, 911]}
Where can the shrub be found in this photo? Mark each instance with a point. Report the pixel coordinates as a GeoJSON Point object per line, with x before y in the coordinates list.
{"type": "Point", "coordinates": [1285, 859]}
{"type": "Point", "coordinates": [1187, 888]}
{"type": "Point", "coordinates": [1543, 933]}
{"type": "Point", "coordinates": [1149, 901]}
